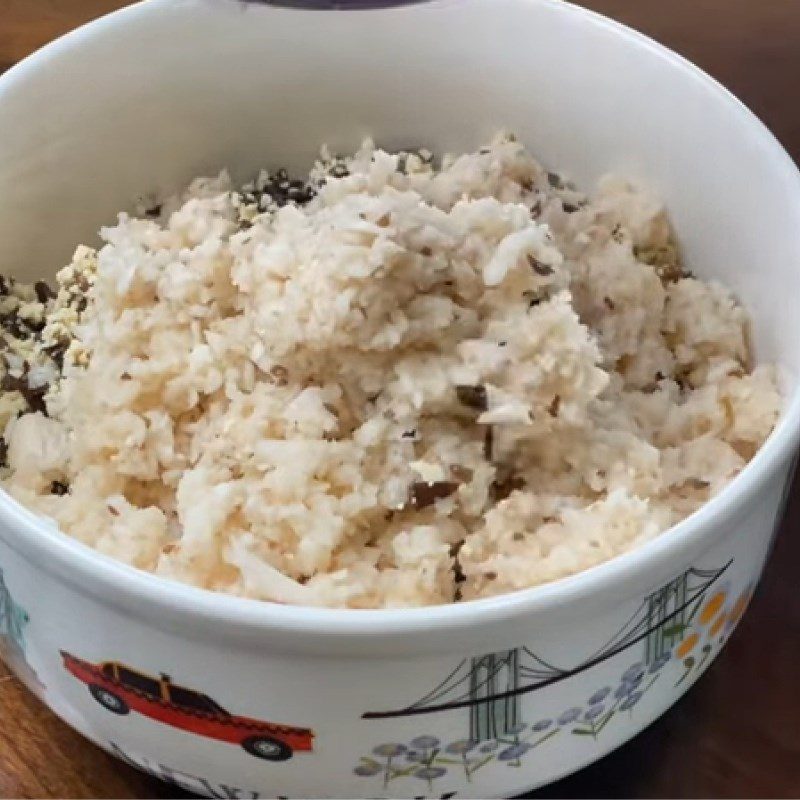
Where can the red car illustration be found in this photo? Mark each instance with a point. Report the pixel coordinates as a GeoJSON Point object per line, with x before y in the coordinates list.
{"type": "Point", "coordinates": [121, 689]}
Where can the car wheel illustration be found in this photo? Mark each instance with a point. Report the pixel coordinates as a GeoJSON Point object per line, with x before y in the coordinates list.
{"type": "Point", "coordinates": [267, 748]}
{"type": "Point", "coordinates": [109, 700]}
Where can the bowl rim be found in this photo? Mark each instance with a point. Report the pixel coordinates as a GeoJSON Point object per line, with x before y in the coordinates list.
{"type": "Point", "coordinates": [150, 595]}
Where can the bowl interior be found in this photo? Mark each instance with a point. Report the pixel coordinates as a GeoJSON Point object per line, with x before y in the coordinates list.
{"type": "Point", "coordinates": [146, 99]}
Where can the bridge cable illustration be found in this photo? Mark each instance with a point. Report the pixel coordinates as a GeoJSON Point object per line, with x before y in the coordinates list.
{"type": "Point", "coordinates": [491, 685]}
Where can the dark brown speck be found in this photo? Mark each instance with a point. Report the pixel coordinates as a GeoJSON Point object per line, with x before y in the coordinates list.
{"type": "Point", "coordinates": [473, 397]}
{"type": "Point", "coordinates": [501, 489]}
{"type": "Point", "coordinates": [539, 268]}
{"type": "Point", "coordinates": [280, 375]}
{"type": "Point", "coordinates": [422, 495]}
{"type": "Point", "coordinates": [43, 292]}
{"type": "Point", "coordinates": [488, 443]}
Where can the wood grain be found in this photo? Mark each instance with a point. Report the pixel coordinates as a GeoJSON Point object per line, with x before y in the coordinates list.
{"type": "Point", "coordinates": [737, 733]}
{"type": "Point", "coordinates": [42, 757]}
{"type": "Point", "coordinates": [26, 25]}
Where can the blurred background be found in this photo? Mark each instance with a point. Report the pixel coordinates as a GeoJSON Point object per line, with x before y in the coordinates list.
{"type": "Point", "coordinates": [737, 733]}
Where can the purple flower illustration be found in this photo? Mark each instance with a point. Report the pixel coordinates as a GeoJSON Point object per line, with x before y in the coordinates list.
{"type": "Point", "coordinates": [429, 773]}
{"type": "Point", "coordinates": [368, 770]}
{"type": "Point", "coordinates": [515, 752]}
{"type": "Point", "coordinates": [623, 690]}
{"type": "Point", "coordinates": [660, 663]}
{"type": "Point", "coordinates": [634, 673]}
{"type": "Point", "coordinates": [461, 746]}
{"type": "Point", "coordinates": [594, 711]}
{"type": "Point", "coordinates": [425, 742]}
{"type": "Point", "coordinates": [570, 715]}
{"type": "Point", "coordinates": [389, 750]}
{"type": "Point", "coordinates": [599, 695]}
{"type": "Point", "coordinates": [630, 701]}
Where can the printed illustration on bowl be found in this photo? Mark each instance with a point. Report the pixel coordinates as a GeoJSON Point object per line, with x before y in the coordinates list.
{"type": "Point", "coordinates": [678, 628]}
{"type": "Point", "coordinates": [13, 621]}
{"type": "Point", "coordinates": [121, 689]}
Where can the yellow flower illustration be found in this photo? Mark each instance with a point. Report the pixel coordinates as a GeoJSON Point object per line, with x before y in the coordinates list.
{"type": "Point", "coordinates": [712, 607]}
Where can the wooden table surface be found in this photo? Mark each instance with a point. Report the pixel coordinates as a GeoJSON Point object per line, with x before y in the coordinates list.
{"type": "Point", "coordinates": [737, 733]}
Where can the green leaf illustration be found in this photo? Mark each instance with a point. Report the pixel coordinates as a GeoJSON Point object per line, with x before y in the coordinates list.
{"type": "Point", "coordinates": [480, 764]}
{"type": "Point", "coordinates": [605, 721]}
{"type": "Point", "coordinates": [401, 772]}
{"type": "Point", "coordinates": [547, 736]}
{"type": "Point", "coordinates": [675, 630]}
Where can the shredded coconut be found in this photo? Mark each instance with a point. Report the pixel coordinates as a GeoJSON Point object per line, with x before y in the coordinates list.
{"type": "Point", "coordinates": [391, 384]}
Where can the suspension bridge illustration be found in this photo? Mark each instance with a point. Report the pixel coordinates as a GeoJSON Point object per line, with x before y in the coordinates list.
{"type": "Point", "coordinates": [491, 686]}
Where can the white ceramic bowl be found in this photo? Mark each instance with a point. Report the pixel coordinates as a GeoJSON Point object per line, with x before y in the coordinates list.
{"type": "Point", "coordinates": [482, 699]}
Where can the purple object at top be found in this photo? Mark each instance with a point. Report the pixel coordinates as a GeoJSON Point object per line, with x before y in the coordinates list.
{"type": "Point", "coordinates": [334, 5]}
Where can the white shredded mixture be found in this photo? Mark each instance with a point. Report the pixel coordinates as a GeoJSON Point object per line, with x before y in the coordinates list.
{"type": "Point", "coordinates": [425, 384]}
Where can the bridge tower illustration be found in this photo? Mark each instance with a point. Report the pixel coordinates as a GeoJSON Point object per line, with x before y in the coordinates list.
{"type": "Point", "coordinates": [496, 707]}
{"type": "Point", "coordinates": [667, 614]}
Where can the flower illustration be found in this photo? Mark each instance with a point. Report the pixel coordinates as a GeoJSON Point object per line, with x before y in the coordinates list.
{"type": "Point", "coordinates": [389, 750]}
{"type": "Point", "coordinates": [623, 690]}
{"type": "Point", "coordinates": [660, 663]}
{"type": "Point", "coordinates": [570, 715]}
{"type": "Point", "coordinates": [719, 624]}
{"type": "Point", "coordinates": [712, 607]}
{"type": "Point", "coordinates": [594, 711]}
{"type": "Point", "coordinates": [424, 742]}
{"type": "Point", "coordinates": [367, 770]}
{"type": "Point", "coordinates": [515, 752]}
{"type": "Point", "coordinates": [738, 609]}
{"type": "Point", "coordinates": [429, 773]}
{"type": "Point", "coordinates": [599, 696]}
{"type": "Point", "coordinates": [389, 768]}
{"type": "Point", "coordinates": [687, 645]}
{"type": "Point", "coordinates": [634, 673]}
{"type": "Point", "coordinates": [460, 747]}
{"type": "Point", "coordinates": [713, 620]}
{"type": "Point", "coordinates": [630, 701]}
